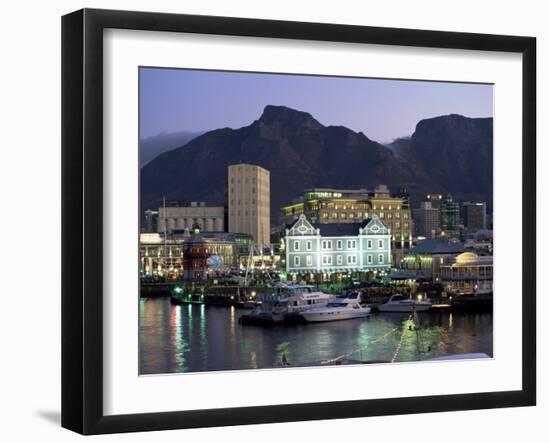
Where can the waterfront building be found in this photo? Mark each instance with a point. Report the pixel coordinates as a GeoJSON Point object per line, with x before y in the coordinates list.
{"type": "Point", "coordinates": [326, 251]}
{"type": "Point", "coordinates": [450, 217]}
{"type": "Point", "coordinates": [425, 259]}
{"type": "Point", "coordinates": [475, 216]}
{"type": "Point", "coordinates": [248, 202]}
{"type": "Point", "coordinates": [426, 220]}
{"type": "Point", "coordinates": [337, 206]}
{"type": "Point", "coordinates": [169, 257]}
{"type": "Point", "coordinates": [178, 215]}
{"type": "Point", "coordinates": [468, 273]}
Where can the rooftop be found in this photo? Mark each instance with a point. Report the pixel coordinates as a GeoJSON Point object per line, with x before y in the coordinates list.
{"type": "Point", "coordinates": [437, 246]}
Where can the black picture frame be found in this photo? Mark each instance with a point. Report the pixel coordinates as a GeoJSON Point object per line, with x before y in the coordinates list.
{"type": "Point", "coordinates": [82, 218]}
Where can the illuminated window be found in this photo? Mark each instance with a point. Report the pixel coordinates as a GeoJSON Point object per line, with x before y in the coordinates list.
{"type": "Point", "coordinates": [309, 260]}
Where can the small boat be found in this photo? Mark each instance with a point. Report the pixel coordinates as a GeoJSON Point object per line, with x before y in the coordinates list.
{"type": "Point", "coordinates": [401, 303]}
{"type": "Point", "coordinates": [186, 296]}
{"type": "Point", "coordinates": [343, 307]}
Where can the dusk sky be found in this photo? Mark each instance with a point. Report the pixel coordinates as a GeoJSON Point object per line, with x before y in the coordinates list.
{"type": "Point", "coordinates": [174, 100]}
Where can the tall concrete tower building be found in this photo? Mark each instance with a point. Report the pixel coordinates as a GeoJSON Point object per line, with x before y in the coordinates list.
{"type": "Point", "coordinates": [248, 201]}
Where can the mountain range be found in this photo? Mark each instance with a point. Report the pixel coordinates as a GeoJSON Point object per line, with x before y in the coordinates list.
{"type": "Point", "coordinates": [447, 154]}
{"type": "Point", "coordinates": [151, 147]}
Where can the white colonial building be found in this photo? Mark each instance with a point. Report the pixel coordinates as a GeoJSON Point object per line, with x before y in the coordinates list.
{"type": "Point", "coordinates": [337, 248]}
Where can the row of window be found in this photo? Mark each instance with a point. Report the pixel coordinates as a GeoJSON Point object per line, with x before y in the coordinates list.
{"type": "Point", "coordinates": [327, 260]}
{"type": "Point", "coordinates": [239, 202]}
{"type": "Point", "coordinates": [331, 205]}
{"type": "Point", "coordinates": [327, 244]}
{"type": "Point", "coordinates": [253, 180]}
{"type": "Point", "coordinates": [361, 215]}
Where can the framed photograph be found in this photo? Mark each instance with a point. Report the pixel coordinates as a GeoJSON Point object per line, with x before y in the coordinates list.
{"type": "Point", "coordinates": [269, 221]}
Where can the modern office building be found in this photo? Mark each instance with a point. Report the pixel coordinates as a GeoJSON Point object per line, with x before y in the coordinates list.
{"type": "Point", "coordinates": [328, 206]}
{"type": "Point", "coordinates": [248, 200]}
{"type": "Point", "coordinates": [435, 199]}
{"type": "Point", "coordinates": [426, 220]}
{"type": "Point", "coordinates": [326, 251]}
{"type": "Point", "coordinates": [475, 216]}
{"type": "Point", "coordinates": [177, 215]}
{"type": "Point", "coordinates": [450, 217]}
{"type": "Point", "coordinates": [468, 273]}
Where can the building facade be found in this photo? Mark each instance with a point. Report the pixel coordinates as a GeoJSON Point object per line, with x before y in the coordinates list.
{"type": "Point", "coordinates": [327, 206]}
{"type": "Point", "coordinates": [468, 273]}
{"type": "Point", "coordinates": [176, 215]}
{"type": "Point", "coordinates": [323, 250]}
{"type": "Point", "coordinates": [450, 217]}
{"type": "Point", "coordinates": [172, 258]}
{"type": "Point", "coordinates": [425, 260]}
{"type": "Point", "coordinates": [426, 220]}
{"type": "Point", "coordinates": [150, 221]}
{"type": "Point", "coordinates": [248, 200]}
{"type": "Point", "coordinates": [475, 216]}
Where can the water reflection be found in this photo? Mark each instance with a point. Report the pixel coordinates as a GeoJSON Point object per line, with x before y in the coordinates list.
{"type": "Point", "coordinates": [193, 338]}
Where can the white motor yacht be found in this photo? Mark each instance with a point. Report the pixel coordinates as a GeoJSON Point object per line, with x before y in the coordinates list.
{"type": "Point", "coordinates": [401, 303]}
{"type": "Point", "coordinates": [286, 301]}
{"type": "Point", "coordinates": [343, 307]}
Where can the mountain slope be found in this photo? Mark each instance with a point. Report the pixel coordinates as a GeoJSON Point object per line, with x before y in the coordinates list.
{"type": "Point", "coordinates": [151, 147]}
{"type": "Point", "coordinates": [457, 153]}
{"type": "Point", "coordinates": [298, 151]}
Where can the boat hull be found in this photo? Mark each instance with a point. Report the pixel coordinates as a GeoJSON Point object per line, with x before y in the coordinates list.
{"type": "Point", "coordinates": [404, 307]}
{"type": "Point", "coordinates": [324, 316]}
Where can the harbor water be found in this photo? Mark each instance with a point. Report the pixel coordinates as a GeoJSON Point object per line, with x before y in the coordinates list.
{"type": "Point", "coordinates": [199, 338]}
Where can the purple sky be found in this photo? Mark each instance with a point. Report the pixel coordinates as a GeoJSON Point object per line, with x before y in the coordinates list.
{"type": "Point", "coordinates": [176, 99]}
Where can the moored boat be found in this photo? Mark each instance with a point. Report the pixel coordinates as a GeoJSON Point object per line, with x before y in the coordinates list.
{"type": "Point", "coordinates": [344, 307]}
{"type": "Point", "coordinates": [284, 303]}
{"type": "Point", "coordinates": [401, 303]}
{"type": "Point", "coordinates": [185, 295]}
